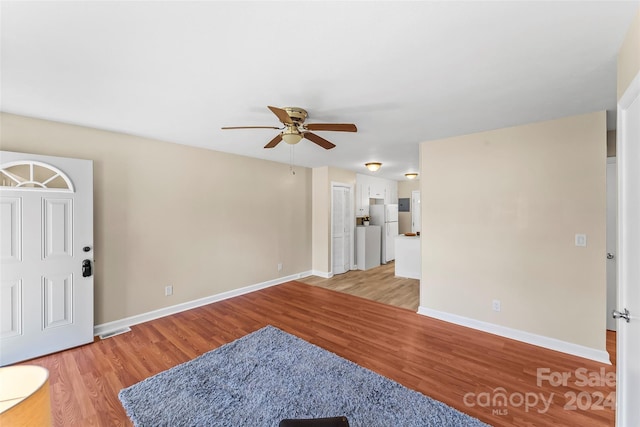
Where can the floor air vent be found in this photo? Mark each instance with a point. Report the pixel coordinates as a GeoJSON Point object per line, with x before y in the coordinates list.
{"type": "Point", "coordinates": [114, 333]}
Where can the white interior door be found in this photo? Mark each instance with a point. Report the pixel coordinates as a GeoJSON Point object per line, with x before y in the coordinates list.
{"type": "Point", "coordinates": [46, 224]}
{"type": "Point", "coordinates": [341, 229]}
{"type": "Point", "coordinates": [415, 212]}
{"type": "Point", "coordinates": [628, 336]}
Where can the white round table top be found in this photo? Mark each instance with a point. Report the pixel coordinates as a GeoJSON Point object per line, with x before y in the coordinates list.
{"type": "Point", "coordinates": [19, 382]}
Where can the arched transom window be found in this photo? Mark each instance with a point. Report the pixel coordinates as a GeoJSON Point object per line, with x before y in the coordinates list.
{"type": "Point", "coordinates": [36, 175]}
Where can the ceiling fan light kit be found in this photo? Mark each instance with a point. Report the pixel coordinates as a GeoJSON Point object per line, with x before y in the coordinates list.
{"type": "Point", "coordinates": [295, 129]}
{"type": "Point", "coordinates": [411, 175]}
{"type": "Point", "coordinates": [291, 136]}
{"type": "Point", "coordinates": [373, 166]}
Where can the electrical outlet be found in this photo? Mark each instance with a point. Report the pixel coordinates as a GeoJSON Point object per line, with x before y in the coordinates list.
{"type": "Point", "coordinates": [495, 305]}
{"type": "Point", "coordinates": [168, 290]}
{"type": "Point", "coordinates": [581, 240]}
{"type": "Point", "coordinates": [279, 266]}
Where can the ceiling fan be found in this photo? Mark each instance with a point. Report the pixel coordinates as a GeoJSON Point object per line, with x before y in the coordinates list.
{"type": "Point", "coordinates": [295, 128]}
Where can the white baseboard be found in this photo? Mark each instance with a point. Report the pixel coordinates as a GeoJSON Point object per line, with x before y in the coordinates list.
{"type": "Point", "coordinates": [303, 274]}
{"type": "Point", "coordinates": [323, 274]}
{"type": "Point", "coordinates": [503, 331]}
{"type": "Point", "coordinates": [106, 328]}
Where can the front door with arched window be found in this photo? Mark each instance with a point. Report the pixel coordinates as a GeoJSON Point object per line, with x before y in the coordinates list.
{"type": "Point", "coordinates": [46, 255]}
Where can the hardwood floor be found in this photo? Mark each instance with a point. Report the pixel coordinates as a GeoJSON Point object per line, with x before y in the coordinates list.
{"type": "Point", "coordinates": [463, 368]}
{"type": "Point", "coordinates": [377, 284]}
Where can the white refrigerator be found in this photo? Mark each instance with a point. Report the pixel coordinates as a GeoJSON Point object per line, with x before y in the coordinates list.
{"type": "Point", "coordinates": [387, 217]}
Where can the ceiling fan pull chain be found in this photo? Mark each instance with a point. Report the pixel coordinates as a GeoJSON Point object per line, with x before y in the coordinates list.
{"type": "Point", "coordinates": [293, 172]}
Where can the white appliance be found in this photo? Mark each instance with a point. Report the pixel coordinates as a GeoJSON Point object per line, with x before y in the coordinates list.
{"type": "Point", "coordinates": [387, 217]}
{"type": "Point", "coordinates": [368, 246]}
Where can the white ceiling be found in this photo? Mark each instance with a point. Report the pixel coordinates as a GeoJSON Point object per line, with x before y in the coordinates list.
{"type": "Point", "coordinates": [403, 72]}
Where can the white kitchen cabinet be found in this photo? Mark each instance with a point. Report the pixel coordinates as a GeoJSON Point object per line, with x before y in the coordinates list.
{"type": "Point", "coordinates": [371, 187]}
{"type": "Point", "coordinates": [362, 200]}
{"type": "Point", "coordinates": [377, 188]}
{"type": "Point", "coordinates": [362, 195]}
{"type": "Point", "coordinates": [358, 210]}
{"type": "Point", "coordinates": [391, 192]}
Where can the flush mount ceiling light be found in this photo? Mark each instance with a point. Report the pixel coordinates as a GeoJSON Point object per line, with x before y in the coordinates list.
{"type": "Point", "coordinates": [411, 175]}
{"type": "Point", "coordinates": [373, 166]}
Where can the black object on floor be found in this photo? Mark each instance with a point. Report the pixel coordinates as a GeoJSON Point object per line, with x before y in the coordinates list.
{"type": "Point", "coordinates": [315, 422]}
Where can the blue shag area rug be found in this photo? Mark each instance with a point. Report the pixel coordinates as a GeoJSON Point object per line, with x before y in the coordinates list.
{"type": "Point", "coordinates": [270, 375]}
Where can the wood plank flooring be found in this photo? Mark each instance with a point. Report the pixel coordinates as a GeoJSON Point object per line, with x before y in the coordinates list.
{"type": "Point", "coordinates": [377, 284]}
{"type": "Point", "coordinates": [456, 365]}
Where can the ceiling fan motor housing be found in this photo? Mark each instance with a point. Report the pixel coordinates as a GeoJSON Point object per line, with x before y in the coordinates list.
{"type": "Point", "coordinates": [293, 132]}
{"type": "Point", "coordinates": [298, 115]}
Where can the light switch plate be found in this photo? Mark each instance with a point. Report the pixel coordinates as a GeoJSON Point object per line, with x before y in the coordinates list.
{"type": "Point", "coordinates": [581, 240]}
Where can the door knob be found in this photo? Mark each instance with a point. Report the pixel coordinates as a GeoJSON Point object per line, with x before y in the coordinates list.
{"type": "Point", "coordinates": [621, 315]}
{"type": "Point", "coordinates": [610, 255]}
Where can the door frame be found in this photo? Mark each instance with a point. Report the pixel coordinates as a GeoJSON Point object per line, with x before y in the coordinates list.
{"type": "Point", "coordinates": [352, 223]}
{"type": "Point", "coordinates": [625, 404]}
{"type": "Point", "coordinates": [612, 288]}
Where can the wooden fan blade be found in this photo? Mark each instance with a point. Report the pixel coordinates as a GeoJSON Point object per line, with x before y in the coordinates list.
{"type": "Point", "coordinates": [249, 127]}
{"type": "Point", "coordinates": [336, 127]}
{"type": "Point", "coordinates": [275, 141]}
{"type": "Point", "coordinates": [319, 140]}
{"type": "Point", "coordinates": [283, 116]}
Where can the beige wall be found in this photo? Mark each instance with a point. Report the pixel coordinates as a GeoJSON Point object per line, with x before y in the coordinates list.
{"type": "Point", "coordinates": [611, 143]}
{"type": "Point", "coordinates": [502, 209]}
{"type": "Point", "coordinates": [629, 56]}
{"type": "Point", "coordinates": [321, 199]}
{"type": "Point", "coordinates": [404, 191]}
{"type": "Point", "coordinates": [204, 221]}
{"type": "Point", "coordinates": [321, 195]}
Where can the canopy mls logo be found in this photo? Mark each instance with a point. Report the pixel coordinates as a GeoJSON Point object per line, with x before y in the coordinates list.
{"type": "Point", "coordinates": [499, 400]}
